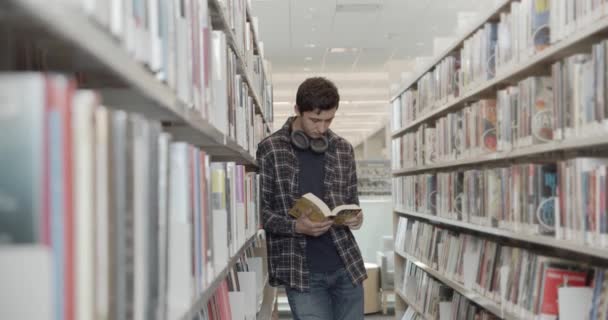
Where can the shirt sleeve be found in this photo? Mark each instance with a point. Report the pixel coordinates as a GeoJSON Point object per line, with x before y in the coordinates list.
{"type": "Point", "coordinates": [352, 190]}
{"type": "Point", "coordinates": [272, 221]}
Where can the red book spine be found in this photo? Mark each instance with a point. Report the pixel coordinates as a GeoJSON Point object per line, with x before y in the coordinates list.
{"type": "Point", "coordinates": [65, 104]}
{"type": "Point", "coordinates": [555, 279]}
{"type": "Point", "coordinates": [225, 301]}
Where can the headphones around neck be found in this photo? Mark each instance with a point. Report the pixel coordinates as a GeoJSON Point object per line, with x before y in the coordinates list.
{"type": "Point", "coordinates": [302, 141]}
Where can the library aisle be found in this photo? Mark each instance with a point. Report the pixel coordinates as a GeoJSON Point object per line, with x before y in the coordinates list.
{"type": "Point", "coordinates": [130, 185]}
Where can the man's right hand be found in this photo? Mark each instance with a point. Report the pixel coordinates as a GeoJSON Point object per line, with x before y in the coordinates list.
{"type": "Point", "coordinates": [314, 229]}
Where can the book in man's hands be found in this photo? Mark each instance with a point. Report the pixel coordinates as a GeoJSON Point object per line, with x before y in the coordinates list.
{"type": "Point", "coordinates": [319, 211]}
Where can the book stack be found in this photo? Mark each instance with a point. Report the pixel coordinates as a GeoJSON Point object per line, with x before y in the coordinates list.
{"type": "Point", "coordinates": [521, 282]}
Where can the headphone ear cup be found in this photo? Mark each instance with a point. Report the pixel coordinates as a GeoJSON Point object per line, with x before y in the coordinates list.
{"type": "Point", "coordinates": [300, 140]}
{"type": "Point", "coordinates": [319, 145]}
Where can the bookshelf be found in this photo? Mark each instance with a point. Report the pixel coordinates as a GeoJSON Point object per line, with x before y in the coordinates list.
{"type": "Point", "coordinates": [501, 5]}
{"type": "Point", "coordinates": [74, 29]}
{"type": "Point", "coordinates": [555, 148]}
{"type": "Point", "coordinates": [541, 242]}
{"type": "Point", "coordinates": [201, 301]}
{"type": "Point", "coordinates": [220, 22]}
{"type": "Point", "coordinates": [137, 127]}
{"type": "Point", "coordinates": [436, 177]}
{"type": "Point", "coordinates": [572, 44]}
{"type": "Point", "coordinates": [411, 304]}
{"type": "Point", "coordinates": [483, 302]}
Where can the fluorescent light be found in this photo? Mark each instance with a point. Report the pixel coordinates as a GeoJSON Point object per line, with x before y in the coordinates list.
{"type": "Point", "coordinates": [310, 45]}
{"type": "Point", "coordinates": [306, 69]}
{"type": "Point", "coordinates": [343, 50]}
{"type": "Point", "coordinates": [363, 101]}
{"type": "Point", "coordinates": [282, 103]}
{"type": "Point", "coordinates": [308, 58]}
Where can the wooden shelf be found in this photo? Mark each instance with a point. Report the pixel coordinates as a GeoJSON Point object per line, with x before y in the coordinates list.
{"type": "Point", "coordinates": [201, 301]}
{"type": "Point", "coordinates": [481, 301]}
{"type": "Point", "coordinates": [569, 249]}
{"type": "Point", "coordinates": [493, 14]}
{"type": "Point", "coordinates": [414, 306]}
{"type": "Point", "coordinates": [578, 143]}
{"type": "Point", "coordinates": [579, 41]}
{"type": "Point", "coordinates": [70, 27]}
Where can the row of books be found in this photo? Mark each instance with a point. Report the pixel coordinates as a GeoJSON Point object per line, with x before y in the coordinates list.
{"type": "Point", "coordinates": [530, 27]}
{"type": "Point", "coordinates": [525, 30]}
{"type": "Point", "coordinates": [569, 104]}
{"type": "Point", "coordinates": [519, 281]}
{"type": "Point", "coordinates": [437, 300]}
{"type": "Point", "coordinates": [568, 17]}
{"type": "Point", "coordinates": [175, 40]}
{"type": "Point", "coordinates": [237, 295]}
{"type": "Point", "coordinates": [244, 30]}
{"type": "Point", "coordinates": [127, 222]}
{"type": "Point", "coordinates": [411, 314]}
{"type": "Point", "coordinates": [565, 199]}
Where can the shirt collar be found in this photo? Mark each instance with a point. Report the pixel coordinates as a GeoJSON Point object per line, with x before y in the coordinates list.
{"type": "Point", "coordinates": [285, 132]}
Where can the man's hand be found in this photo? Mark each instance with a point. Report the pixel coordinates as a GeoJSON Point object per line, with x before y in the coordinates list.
{"type": "Point", "coordinates": [355, 222]}
{"type": "Point", "coordinates": [305, 226]}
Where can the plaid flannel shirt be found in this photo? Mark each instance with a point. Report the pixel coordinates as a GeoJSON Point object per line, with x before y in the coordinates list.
{"type": "Point", "coordinates": [279, 175]}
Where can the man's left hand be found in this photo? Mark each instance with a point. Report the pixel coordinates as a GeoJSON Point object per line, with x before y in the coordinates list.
{"type": "Point", "coordinates": [355, 222]}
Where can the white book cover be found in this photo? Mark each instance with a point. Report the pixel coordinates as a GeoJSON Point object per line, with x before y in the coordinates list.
{"type": "Point", "coordinates": [164, 142]}
{"type": "Point", "coordinates": [83, 129]}
{"type": "Point", "coordinates": [102, 213]}
{"type": "Point", "coordinates": [117, 17]}
{"type": "Point", "coordinates": [183, 54]}
{"type": "Point", "coordinates": [204, 60]}
{"type": "Point", "coordinates": [102, 12]}
{"type": "Point", "coordinates": [142, 183]}
{"type": "Point", "coordinates": [249, 286]}
{"type": "Point", "coordinates": [219, 81]}
{"type": "Point", "coordinates": [170, 43]}
{"type": "Point", "coordinates": [156, 42]}
{"type": "Point", "coordinates": [129, 31]}
{"type": "Point", "coordinates": [143, 42]}
{"type": "Point", "coordinates": [27, 283]}
{"type": "Point", "coordinates": [181, 281]}
{"type": "Point", "coordinates": [220, 241]}
{"type": "Point", "coordinates": [256, 264]}
{"type": "Point", "coordinates": [88, 6]}
{"type": "Point", "coordinates": [237, 301]}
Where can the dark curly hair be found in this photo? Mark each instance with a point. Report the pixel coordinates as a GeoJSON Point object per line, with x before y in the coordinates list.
{"type": "Point", "coordinates": [317, 93]}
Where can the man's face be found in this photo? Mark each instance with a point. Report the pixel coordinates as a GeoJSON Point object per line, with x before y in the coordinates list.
{"type": "Point", "coordinates": [315, 123]}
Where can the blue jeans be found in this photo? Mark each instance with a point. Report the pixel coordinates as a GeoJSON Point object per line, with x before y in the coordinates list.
{"type": "Point", "coordinates": [332, 296]}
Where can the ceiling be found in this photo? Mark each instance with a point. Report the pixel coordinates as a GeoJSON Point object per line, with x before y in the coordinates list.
{"type": "Point", "coordinates": [362, 45]}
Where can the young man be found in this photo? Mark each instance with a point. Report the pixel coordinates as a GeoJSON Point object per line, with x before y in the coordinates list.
{"type": "Point", "coordinates": [319, 264]}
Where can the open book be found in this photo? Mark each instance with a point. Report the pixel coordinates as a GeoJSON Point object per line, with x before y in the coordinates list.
{"type": "Point", "coordinates": [320, 211]}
